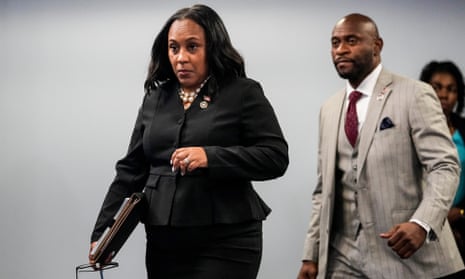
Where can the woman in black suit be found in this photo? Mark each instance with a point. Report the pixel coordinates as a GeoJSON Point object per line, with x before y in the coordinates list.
{"type": "Point", "coordinates": [203, 133]}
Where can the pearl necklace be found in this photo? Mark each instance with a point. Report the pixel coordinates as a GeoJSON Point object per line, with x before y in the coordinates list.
{"type": "Point", "coordinates": [189, 97]}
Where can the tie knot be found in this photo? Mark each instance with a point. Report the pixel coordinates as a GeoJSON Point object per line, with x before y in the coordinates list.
{"type": "Point", "coordinates": [354, 96]}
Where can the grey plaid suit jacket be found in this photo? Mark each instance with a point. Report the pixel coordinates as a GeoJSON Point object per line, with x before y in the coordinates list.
{"type": "Point", "coordinates": [409, 170]}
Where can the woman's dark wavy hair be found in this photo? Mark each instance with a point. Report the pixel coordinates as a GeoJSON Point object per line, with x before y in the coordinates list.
{"type": "Point", "coordinates": [224, 61]}
{"type": "Point", "coordinates": [447, 67]}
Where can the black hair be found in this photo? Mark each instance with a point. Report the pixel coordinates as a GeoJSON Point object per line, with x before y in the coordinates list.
{"type": "Point", "coordinates": [224, 61]}
{"type": "Point", "coordinates": [447, 67]}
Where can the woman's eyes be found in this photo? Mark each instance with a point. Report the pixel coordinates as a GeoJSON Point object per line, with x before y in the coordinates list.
{"type": "Point", "coordinates": [173, 47]}
{"type": "Point", "coordinates": [190, 47]}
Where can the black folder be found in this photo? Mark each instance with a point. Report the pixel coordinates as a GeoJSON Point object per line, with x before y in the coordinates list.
{"type": "Point", "coordinates": [125, 221]}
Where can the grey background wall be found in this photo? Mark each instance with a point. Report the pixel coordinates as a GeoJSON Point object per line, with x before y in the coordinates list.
{"type": "Point", "coordinates": [71, 75]}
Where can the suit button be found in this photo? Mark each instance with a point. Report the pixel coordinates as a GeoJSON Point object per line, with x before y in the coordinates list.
{"type": "Point", "coordinates": [354, 167]}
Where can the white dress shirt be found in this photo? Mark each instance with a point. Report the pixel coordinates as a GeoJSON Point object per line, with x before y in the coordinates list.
{"type": "Point", "coordinates": [366, 88]}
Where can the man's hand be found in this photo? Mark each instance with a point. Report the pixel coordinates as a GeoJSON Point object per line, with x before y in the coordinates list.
{"type": "Point", "coordinates": [405, 239]}
{"type": "Point", "coordinates": [309, 270]}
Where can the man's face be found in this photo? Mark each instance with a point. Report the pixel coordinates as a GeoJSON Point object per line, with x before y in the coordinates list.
{"type": "Point", "coordinates": [355, 50]}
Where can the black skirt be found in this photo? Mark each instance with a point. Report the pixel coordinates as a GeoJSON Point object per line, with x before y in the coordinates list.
{"type": "Point", "coordinates": [226, 251]}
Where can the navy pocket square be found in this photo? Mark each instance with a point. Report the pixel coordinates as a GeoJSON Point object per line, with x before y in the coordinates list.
{"type": "Point", "coordinates": [386, 123]}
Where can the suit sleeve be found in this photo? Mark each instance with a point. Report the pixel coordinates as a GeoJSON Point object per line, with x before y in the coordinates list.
{"type": "Point", "coordinates": [263, 152]}
{"type": "Point", "coordinates": [437, 155]}
{"type": "Point", "coordinates": [131, 173]}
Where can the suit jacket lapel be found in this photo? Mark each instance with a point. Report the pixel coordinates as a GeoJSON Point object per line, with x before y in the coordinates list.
{"type": "Point", "coordinates": [381, 93]}
{"type": "Point", "coordinates": [331, 137]}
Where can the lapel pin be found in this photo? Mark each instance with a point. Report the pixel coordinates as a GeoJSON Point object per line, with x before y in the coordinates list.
{"type": "Point", "coordinates": [204, 103]}
{"type": "Point", "coordinates": [382, 94]}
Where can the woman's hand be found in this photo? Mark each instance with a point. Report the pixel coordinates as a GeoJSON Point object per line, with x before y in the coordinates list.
{"type": "Point", "coordinates": [92, 259]}
{"type": "Point", "coordinates": [187, 159]}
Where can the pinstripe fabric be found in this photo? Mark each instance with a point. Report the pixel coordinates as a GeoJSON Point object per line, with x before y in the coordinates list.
{"type": "Point", "coordinates": [407, 171]}
{"type": "Point", "coordinates": [346, 209]}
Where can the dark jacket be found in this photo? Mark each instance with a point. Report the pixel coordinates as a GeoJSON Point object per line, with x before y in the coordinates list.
{"type": "Point", "coordinates": [243, 142]}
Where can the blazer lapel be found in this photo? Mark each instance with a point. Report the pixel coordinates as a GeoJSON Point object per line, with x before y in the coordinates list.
{"type": "Point", "coordinates": [330, 138]}
{"type": "Point", "coordinates": [380, 94]}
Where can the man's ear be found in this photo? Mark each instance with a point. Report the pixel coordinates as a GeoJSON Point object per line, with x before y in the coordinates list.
{"type": "Point", "coordinates": [378, 46]}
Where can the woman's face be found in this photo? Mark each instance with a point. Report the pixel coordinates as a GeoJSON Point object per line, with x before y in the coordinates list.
{"type": "Point", "coordinates": [187, 53]}
{"type": "Point", "coordinates": [446, 88]}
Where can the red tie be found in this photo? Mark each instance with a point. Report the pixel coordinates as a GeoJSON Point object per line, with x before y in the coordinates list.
{"type": "Point", "coordinates": [351, 126]}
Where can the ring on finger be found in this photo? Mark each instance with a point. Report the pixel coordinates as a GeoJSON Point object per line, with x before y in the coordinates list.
{"type": "Point", "coordinates": [186, 161]}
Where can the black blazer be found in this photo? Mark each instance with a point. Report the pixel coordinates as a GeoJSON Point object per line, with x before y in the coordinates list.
{"type": "Point", "coordinates": [243, 142]}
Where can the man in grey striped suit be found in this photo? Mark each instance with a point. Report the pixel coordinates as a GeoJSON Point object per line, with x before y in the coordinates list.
{"type": "Point", "coordinates": [386, 176]}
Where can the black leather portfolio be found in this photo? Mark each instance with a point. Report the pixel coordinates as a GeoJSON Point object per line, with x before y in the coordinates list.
{"type": "Point", "coordinates": [125, 221]}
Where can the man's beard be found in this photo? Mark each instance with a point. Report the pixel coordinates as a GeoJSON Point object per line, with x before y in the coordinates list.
{"type": "Point", "coordinates": [356, 73]}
